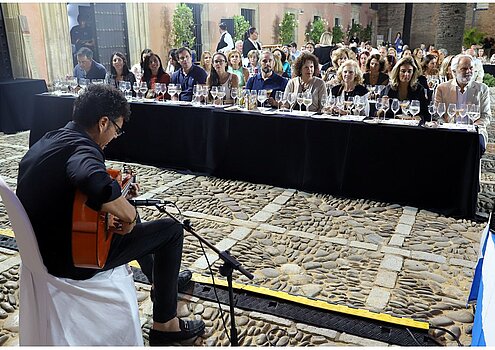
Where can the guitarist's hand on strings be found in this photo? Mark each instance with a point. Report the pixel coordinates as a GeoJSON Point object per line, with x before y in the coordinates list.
{"type": "Point", "coordinates": [133, 191]}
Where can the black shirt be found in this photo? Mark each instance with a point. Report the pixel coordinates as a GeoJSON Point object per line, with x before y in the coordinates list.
{"type": "Point", "coordinates": [54, 167]}
{"type": "Point", "coordinates": [80, 36]}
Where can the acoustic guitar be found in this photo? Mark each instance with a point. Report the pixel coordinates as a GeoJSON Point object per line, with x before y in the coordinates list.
{"type": "Point", "coordinates": [92, 231]}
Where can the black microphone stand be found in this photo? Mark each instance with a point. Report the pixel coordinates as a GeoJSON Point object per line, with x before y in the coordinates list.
{"type": "Point", "coordinates": [229, 264]}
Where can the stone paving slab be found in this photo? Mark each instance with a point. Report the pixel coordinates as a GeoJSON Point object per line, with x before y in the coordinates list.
{"type": "Point", "coordinates": [382, 257]}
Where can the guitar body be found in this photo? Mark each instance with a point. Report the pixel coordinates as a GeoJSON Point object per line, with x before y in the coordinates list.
{"type": "Point", "coordinates": [91, 231]}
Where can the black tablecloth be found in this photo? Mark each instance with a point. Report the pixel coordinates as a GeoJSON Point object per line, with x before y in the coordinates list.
{"type": "Point", "coordinates": [17, 103]}
{"type": "Point", "coordinates": [489, 68]}
{"type": "Point", "coordinates": [426, 168]}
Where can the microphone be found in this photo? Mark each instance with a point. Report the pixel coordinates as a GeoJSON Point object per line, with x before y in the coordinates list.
{"type": "Point", "coordinates": [146, 202]}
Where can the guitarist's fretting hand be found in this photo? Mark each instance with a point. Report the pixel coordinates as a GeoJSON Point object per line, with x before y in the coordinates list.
{"type": "Point", "coordinates": [133, 191]}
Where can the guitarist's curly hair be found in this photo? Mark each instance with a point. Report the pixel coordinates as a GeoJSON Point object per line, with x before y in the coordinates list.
{"type": "Point", "coordinates": [98, 101]}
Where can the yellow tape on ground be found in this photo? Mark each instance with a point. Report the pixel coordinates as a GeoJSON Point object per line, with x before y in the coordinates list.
{"type": "Point", "coordinates": [6, 232]}
{"type": "Point", "coordinates": [320, 304]}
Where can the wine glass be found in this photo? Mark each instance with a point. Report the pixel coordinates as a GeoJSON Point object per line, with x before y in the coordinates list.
{"type": "Point", "coordinates": [262, 96]}
{"type": "Point", "coordinates": [143, 88]}
{"type": "Point", "coordinates": [414, 108]}
{"type": "Point", "coordinates": [221, 94]}
{"type": "Point", "coordinates": [292, 98]}
{"type": "Point", "coordinates": [253, 99]}
{"type": "Point", "coordinates": [135, 87]}
{"type": "Point", "coordinates": [278, 98]}
{"type": "Point", "coordinates": [441, 110]}
{"type": "Point", "coordinates": [330, 103]}
{"type": "Point", "coordinates": [359, 103]}
{"type": "Point", "coordinates": [122, 86]}
{"type": "Point", "coordinates": [171, 91]}
{"type": "Point", "coordinates": [299, 100]}
{"type": "Point", "coordinates": [395, 106]}
{"type": "Point", "coordinates": [73, 84]}
{"type": "Point", "coordinates": [285, 100]}
{"type": "Point", "coordinates": [163, 90]}
{"type": "Point", "coordinates": [178, 91]}
{"type": "Point", "coordinates": [204, 92]}
{"type": "Point", "coordinates": [432, 109]}
{"type": "Point", "coordinates": [234, 92]}
{"type": "Point", "coordinates": [473, 111]}
{"type": "Point", "coordinates": [128, 89]}
{"type": "Point", "coordinates": [157, 91]}
{"type": "Point", "coordinates": [461, 114]}
{"type": "Point", "coordinates": [385, 106]}
{"type": "Point", "coordinates": [307, 100]}
{"type": "Point", "coordinates": [214, 93]}
{"type": "Point", "coordinates": [378, 107]}
{"type": "Point", "coordinates": [83, 84]}
{"type": "Point", "coordinates": [404, 106]}
{"type": "Point", "coordinates": [451, 111]}
{"type": "Point", "coordinates": [349, 104]}
{"type": "Point", "coordinates": [339, 103]}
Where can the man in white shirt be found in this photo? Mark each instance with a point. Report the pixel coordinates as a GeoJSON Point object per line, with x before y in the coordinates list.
{"type": "Point", "coordinates": [463, 90]}
{"type": "Point", "coordinates": [478, 71]}
{"type": "Point", "coordinates": [226, 43]}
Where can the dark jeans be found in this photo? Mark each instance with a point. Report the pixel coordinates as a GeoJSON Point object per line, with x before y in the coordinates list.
{"type": "Point", "coordinates": [164, 239]}
{"type": "Point", "coordinates": [482, 145]}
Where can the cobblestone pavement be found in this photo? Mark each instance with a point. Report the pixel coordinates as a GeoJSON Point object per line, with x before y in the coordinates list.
{"type": "Point", "coordinates": [381, 257]}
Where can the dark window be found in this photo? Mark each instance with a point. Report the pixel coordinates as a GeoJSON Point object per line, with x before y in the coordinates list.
{"type": "Point", "coordinates": [337, 21]}
{"type": "Point", "coordinates": [198, 43]}
{"type": "Point", "coordinates": [111, 31]}
{"type": "Point", "coordinates": [248, 15]}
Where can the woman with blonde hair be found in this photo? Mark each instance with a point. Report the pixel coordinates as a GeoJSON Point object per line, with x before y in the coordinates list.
{"type": "Point", "coordinates": [235, 66]}
{"type": "Point", "coordinates": [350, 80]}
{"type": "Point", "coordinates": [304, 71]}
{"type": "Point", "coordinates": [205, 61]}
{"type": "Point", "coordinates": [324, 49]}
{"type": "Point", "coordinates": [445, 68]}
{"type": "Point", "coordinates": [253, 65]}
{"type": "Point", "coordinates": [339, 56]}
{"type": "Point", "coordinates": [404, 85]}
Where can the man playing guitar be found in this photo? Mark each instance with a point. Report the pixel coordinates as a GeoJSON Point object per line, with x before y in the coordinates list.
{"type": "Point", "coordinates": [71, 159]}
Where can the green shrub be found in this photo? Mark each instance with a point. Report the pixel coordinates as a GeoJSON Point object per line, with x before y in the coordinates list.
{"type": "Point", "coordinates": [287, 28]}
{"type": "Point", "coordinates": [316, 30]}
{"type": "Point", "coordinates": [240, 27]}
{"type": "Point", "coordinates": [489, 80]}
{"type": "Point", "coordinates": [473, 36]}
{"type": "Point", "coordinates": [183, 24]}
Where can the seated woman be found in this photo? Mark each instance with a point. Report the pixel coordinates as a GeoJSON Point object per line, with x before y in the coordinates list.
{"type": "Point", "coordinates": [445, 69]}
{"type": "Point", "coordinates": [219, 76]}
{"type": "Point", "coordinates": [310, 47]}
{"type": "Point", "coordinates": [339, 56]}
{"type": "Point", "coordinates": [154, 73]}
{"type": "Point", "coordinates": [285, 65]}
{"type": "Point", "coordinates": [363, 59]}
{"type": "Point", "coordinates": [119, 71]}
{"type": "Point", "coordinates": [350, 79]}
{"type": "Point", "coordinates": [205, 61]}
{"type": "Point", "coordinates": [235, 66]}
{"type": "Point", "coordinates": [253, 65]}
{"type": "Point", "coordinates": [418, 54]}
{"type": "Point", "coordinates": [429, 65]}
{"type": "Point", "coordinates": [138, 68]}
{"type": "Point", "coordinates": [305, 69]}
{"type": "Point", "coordinates": [404, 85]}
{"type": "Point", "coordinates": [375, 67]}
{"type": "Point", "coordinates": [173, 62]}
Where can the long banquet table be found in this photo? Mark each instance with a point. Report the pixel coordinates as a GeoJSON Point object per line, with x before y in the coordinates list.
{"type": "Point", "coordinates": [434, 169]}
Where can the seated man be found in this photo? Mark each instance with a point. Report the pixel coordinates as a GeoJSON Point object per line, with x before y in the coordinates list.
{"type": "Point", "coordinates": [71, 159]}
{"type": "Point", "coordinates": [87, 67]}
{"type": "Point", "coordinates": [463, 90]}
{"type": "Point", "coordinates": [188, 74]}
{"type": "Point", "coordinates": [267, 79]}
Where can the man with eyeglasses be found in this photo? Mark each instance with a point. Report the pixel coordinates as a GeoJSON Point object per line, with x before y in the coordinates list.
{"type": "Point", "coordinates": [71, 158]}
{"type": "Point", "coordinates": [188, 74]}
{"type": "Point", "coordinates": [267, 79]}
{"type": "Point", "coordinates": [463, 90]}
{"type": "Point", "coordinates": [87, 67]}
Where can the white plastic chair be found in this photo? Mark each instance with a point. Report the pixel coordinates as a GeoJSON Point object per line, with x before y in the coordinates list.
{"type": "Point", "coordinates": [102, 310]}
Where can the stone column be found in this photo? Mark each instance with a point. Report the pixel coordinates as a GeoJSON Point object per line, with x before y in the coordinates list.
{"type": "Point", "coordinates": [450, 29]}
